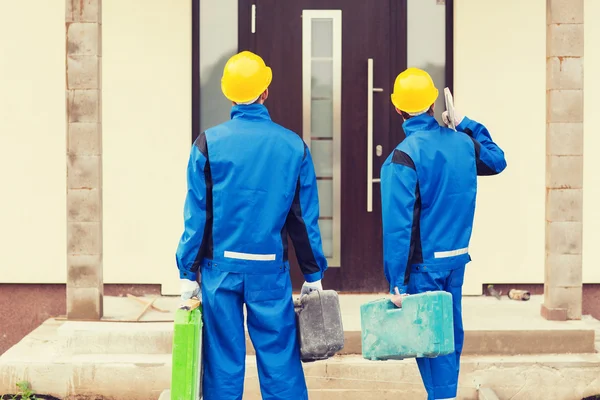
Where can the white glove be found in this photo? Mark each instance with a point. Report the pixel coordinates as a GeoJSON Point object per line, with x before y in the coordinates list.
{"type": "Point", "coordinates": [457, 118]}
{"type": "Point", "coordinates": [190, 289]}
{"type": "Point", "coordinates": [310, 287]}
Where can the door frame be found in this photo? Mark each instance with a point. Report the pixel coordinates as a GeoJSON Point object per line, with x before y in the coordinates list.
{"type": "Point", "coordinates": [247, 42]}
{"type": "Point", "coordinates": [196, 85]}
{"type": "Point", "coordinates": [450, 44]}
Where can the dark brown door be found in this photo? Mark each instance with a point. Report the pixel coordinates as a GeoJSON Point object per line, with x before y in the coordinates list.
{"type": "Point", "coordinates": [319, 51]}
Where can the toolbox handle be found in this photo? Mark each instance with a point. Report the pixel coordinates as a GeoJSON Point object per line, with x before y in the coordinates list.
{"type": "Point", "coordinates": [391, 307]}
{"type": "Point", "coordinates": [190, 304]}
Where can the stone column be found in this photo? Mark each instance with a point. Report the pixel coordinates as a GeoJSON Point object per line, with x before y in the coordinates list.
{"type": "Point", "coordinates": [84, 159]}
{"type": "Point", "coordinates": [564, 160]}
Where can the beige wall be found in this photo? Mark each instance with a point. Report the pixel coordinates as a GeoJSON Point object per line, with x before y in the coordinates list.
{"type": "Point", "coordinates": [499, 80]}
{"type": "Point", "coordinates": [147, 137]}
{"type": "Point", "coordinates": [499, 67]}
{"type": "Point", "coordinates": [32, 142]}
{"type": "Point", "coordinates": [591, 160]}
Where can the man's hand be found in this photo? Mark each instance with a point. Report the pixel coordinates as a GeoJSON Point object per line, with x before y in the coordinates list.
{"type": "Point", "coordinates": [190, 289]}
{"type": "Point", "coordinates": [310, 287]}
{"type": "Point", "coordinates": [457, 118]}
{"type": "Point", "coordinates": [397, 298]}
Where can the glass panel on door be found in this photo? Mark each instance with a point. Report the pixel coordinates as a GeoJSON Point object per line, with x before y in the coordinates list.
{"type": "Point", "coordinates": [431, 58]}
{"type": "Point", "coordinates": [321, 92]}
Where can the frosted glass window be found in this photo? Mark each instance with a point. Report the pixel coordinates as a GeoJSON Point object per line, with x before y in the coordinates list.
{"type": "Point", "coordinates": [321, 116]}
{"type": "Point", "coordinates": [322, 34]}
{"type": "Point", "coordinates": [427, 24]}
{"type": "Point", "coordinates": [321, 119]}
{"type": "Point", "coordinates": [325, 198]}
{"type": "Point", "coordinates": [326, 228]}
{"type": "Point", "coordinates": [322, 79]}
{"type": "Point", "coordinates": [322, 154]}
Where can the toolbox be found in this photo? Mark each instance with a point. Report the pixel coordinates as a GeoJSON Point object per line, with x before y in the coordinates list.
{"type": "Point", "coordinates": [320, 328]}
{"type": "Point", "coordinates": [423, 327]}
{"type": "Point", "coordinates": [186, 375]}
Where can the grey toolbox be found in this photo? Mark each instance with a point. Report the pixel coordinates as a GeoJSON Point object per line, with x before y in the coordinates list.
{"type": "Point", "coordinates": [320, 329]}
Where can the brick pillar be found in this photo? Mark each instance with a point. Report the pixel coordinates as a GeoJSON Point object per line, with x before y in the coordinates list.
{"type": "Point", "coordinates": [564, 160]}
{"type": "Point", "coordinates": [84, 159]}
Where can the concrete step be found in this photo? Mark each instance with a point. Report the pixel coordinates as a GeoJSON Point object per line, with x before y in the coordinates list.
{"type": "Point", "coordinates": [82, 377]}
{"type": "Point", "coordinates": [88, 360]}
{"type": "Point", "coordinates": [55, 363]}
{"type": "Point", "coordinates": [116, 337]}
{"type": "Point", "coordinates": [492, 327]}
{"type": "Point", "coordinates": [143, 377]}
{"type": "Point", "coordinates": [487, 394]}
{"type": "Point", "coordinates": [157, 338]}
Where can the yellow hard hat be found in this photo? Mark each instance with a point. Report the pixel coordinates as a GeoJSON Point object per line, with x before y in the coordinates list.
{"type": "Point", "coordinates": [414, 91]}
{"type": "Point", "coordinates": [245, 77]}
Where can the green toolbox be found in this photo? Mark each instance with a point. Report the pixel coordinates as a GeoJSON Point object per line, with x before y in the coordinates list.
{"type": "Point", "coordinates": [423, 327]}
{"type": "Point", "coordinates": [186, 376]}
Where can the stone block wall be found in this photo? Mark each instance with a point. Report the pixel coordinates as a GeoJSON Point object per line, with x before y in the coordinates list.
{"type": "Point", "coordinates": [564, 160]}
{"type": "Point", "coordinates": [84, 158]}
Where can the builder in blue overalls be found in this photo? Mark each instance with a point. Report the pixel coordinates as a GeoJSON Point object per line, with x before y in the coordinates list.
{"type": "Point", "coordinates": [428, 190]}
{"type": "Point", "coordinates": [251, 183]}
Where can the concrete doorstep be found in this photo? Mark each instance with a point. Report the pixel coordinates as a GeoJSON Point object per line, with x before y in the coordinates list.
{"type": "Point", "coordinates": [518, 378]}
{"type": "Point", "coordinates": [132, 361]}
{"type": "Point", "coordinates": [491, 327]}
{"type": "Point", "coordinates": [346, 378]}
{"type": "Point", "coordinates": [56, 361]}
{"type": "Point", "coordinates": [487, 394]}
{"type": "Point", "coordinates": [484, 394]}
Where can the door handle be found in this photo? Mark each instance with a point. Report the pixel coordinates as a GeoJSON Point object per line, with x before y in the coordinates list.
{"type": "Point", "coordinates": [370, 91]}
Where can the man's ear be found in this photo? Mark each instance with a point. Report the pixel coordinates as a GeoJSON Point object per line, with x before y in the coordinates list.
{"type": "Point", "coordinates": [265, 95]}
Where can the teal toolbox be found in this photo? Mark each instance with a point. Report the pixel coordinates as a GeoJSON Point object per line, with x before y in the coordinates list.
{"type": "Point", "coordinates": [423, 327]}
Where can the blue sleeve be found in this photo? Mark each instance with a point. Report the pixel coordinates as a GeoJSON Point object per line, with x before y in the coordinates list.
{"type": "Point", "coordinates": [398, 198]}
{"type": "Point", "coordinates": [302, 222]}
{"type": "Point", "coordinates": [489, 156]}
{"type": "Point", "coordinates": [189, 252]}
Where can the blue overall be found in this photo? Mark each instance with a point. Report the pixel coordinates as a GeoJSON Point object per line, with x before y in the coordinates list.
{"type": "Point", "coordinates": [251, 183]}
{"type": "Point", "coordinates": [428, 191]}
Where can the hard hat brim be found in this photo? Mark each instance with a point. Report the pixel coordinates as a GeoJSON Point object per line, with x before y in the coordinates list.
{"type": "Point", "coordinates": [428, 101]}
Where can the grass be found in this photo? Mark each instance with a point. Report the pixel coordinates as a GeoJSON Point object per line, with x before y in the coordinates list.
{"type": "Point", "coordinates": [25, 392]}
